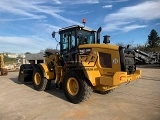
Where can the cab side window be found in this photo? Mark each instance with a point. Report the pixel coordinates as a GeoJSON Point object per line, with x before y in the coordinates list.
{"type": "Point", "coordinates": [64, 42]}
{"type": "Point", "coordinates": [73, 39]}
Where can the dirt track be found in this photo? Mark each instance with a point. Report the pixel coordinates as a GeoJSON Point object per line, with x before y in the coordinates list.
{"type": "Point", "coordinates": [139, 100]}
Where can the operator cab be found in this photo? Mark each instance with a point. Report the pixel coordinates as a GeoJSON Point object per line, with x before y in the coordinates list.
{"type": "Point", "coordinates": [73, 36]}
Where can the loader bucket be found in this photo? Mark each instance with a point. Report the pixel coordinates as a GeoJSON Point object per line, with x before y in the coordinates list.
{"type": "Point", "coordinates": [25, 73]}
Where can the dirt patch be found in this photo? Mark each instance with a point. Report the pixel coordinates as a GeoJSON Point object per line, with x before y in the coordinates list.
{"type": "Point", "coordinates": [136, 100]}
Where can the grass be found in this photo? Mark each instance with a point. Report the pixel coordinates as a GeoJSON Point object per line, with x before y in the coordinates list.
{"type": "Point", "coordinates": [9, 60]}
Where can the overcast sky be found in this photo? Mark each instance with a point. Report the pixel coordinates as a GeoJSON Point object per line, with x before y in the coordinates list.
{"type": "Point", "coordinates": [26, 25]}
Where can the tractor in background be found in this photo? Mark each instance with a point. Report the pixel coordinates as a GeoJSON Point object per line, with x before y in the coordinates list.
{"type": "Point", "coordinates": [3, 70]}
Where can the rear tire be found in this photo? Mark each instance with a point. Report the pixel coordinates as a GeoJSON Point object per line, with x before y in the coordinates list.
{"type": "Point", "coordinates": [39, 82]}
{"type": "Point", "coordinates": [48, 84]}
{"type": "Point", "coordinates": [75, 89]}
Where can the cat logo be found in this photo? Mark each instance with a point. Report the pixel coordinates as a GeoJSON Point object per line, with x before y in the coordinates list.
{"type": "Point", "coordinates": [115, 61]}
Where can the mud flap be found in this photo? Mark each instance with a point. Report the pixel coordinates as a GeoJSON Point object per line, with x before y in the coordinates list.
{"type": "Point", "coordinates": [25, 73]}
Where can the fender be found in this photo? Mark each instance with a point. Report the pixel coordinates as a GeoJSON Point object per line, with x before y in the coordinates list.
{"type": "Point", "coordinates": [82, 73]}
{"type": "Point", "coordinates": [50, 75]}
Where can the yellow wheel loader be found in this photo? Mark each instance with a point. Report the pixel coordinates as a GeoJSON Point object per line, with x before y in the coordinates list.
{"type": "Point", "coordinates": [82, 65]}
{"type": "Point", "coordinates": [3, 70]}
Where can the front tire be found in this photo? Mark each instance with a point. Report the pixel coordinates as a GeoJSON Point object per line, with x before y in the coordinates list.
{"type": "Point", "coordinates": [75, 89]}
{"type": "Point", "coordinates": [39, 82]}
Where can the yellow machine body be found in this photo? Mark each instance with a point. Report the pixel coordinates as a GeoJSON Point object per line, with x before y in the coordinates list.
{"type": "Point", "coordinates": [101, 78]}
{"type": "Point", "coordinates": [103, 67]}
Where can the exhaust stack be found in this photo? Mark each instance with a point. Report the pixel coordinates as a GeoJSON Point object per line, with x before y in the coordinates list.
{"type": "Point", "coordinates": [106, 39]}
{"type": "Point", "coordinates": [98, 34]}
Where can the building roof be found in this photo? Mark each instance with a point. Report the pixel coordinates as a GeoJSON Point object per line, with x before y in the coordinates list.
{"type": "Point", "coordinates": [38, 56]}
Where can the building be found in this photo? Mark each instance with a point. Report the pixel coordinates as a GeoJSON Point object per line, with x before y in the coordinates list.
{"type": "Point", "coordinates": [11, 55]}
{"type": "Point", "coordinates": [31, 58]}
{"type": "Point", "coordinates": [34, 58]}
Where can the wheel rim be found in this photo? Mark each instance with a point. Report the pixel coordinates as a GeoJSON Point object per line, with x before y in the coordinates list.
{"type": "Point", "coordinates": [72, 86]}
{"type": "Point", "coordinates": [37, 78]}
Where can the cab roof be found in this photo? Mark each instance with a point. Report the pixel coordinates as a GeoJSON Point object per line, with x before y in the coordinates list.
{"type": "Point", "coordinates": [73, 27]}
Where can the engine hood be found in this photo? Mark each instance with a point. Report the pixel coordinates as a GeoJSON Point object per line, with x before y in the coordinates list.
{"type": "Point", "coordinates": [105, 46]}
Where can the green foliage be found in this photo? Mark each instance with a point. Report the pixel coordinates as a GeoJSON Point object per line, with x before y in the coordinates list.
{"type": "Point", "coordinates": [27, 53]}
{"type": "Point", "coordinates": [8, 60]}
{"type": "Point", "coordinates": [143, 47]}
{"type": "Point", "coordinates": [121, 44]}
{"type": "Point", "coordinates": [154, 49]}
{"type": "Point", "coordinates": [152, 45]}
{"type": "Point", "coordinates": [153, 39]}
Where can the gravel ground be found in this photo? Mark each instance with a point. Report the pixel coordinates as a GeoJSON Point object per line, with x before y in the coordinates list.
{"type": "Point", "coordinates": [138, 100]}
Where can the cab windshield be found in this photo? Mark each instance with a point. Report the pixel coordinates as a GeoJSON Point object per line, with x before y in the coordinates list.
{"type": "Point", "coordinates": [70, 40]}
{"type": "Point", "coordinates": [85, 37]}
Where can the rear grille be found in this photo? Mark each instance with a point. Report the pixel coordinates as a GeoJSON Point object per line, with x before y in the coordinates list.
{"type": "Point", "coordinates": [127, 59]}
{"type": "Point", "coordinates": [105, 60]}
{"type": "Point", "coordinates": [130, 63]}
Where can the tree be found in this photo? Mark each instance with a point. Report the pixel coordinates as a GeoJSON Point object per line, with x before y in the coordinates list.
{"type": "Point", "coordinates": [121, 44]}
{"type": "Point", "coordinates": [153, 39]}
{"type": "Point", "coordinates": [27, 53]}
{"type": "Point", "coordinates": [50, 50]}
{"type": "Point", "coordinates": [143, 47]}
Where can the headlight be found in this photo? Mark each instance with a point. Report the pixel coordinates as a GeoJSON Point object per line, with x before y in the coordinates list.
{"type": "Point", "coordinates": [85, 51]}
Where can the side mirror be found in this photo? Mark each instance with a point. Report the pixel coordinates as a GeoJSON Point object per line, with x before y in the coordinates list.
{"type": "Point", "coordinates": [128, 46]}
{"type": "Point", "coordinates": [53, 34]}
